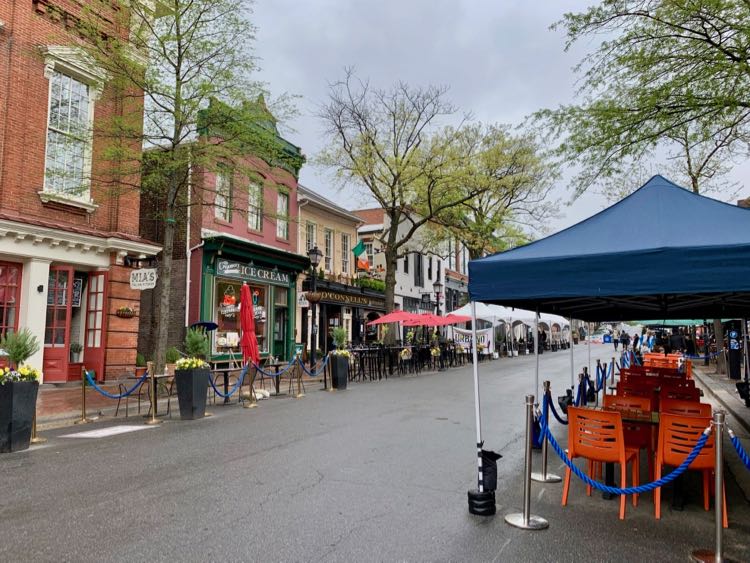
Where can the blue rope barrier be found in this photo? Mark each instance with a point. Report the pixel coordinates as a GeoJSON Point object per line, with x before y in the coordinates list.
{"type": "Point", "coordinates": [113, 395]}
{"type": "Point", "coordinates": [701, 357]}
{"type": "Point", "coordinates": [740, 450]}
{"type": "Point", "coordinates": [292, 363]}
{"type": "Point", "coordinates": [317, 372]}
{"type": "Point", "coordinates": [627, 490]}
{"type": "Point", "coordinates": [555, 413]}
{"type": "Point", "coordinates": [237, 384]}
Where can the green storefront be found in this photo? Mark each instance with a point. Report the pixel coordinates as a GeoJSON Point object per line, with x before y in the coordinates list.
{"type": "Point", "coordinates": [272, 277]}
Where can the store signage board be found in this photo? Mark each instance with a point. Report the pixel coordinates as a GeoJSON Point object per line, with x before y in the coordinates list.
{"type": "Point", "coordinates": [229, 269]}
{"type": "Point", "coordinates": [143, 279]}
{"type": "Point", "coordinates": [355, 300]}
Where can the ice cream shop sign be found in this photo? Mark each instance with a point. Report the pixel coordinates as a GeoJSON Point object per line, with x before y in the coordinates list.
{"type": "Point", "coordinates": [249, 272]}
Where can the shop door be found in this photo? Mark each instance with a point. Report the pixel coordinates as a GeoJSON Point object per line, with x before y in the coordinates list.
{"type": "Point", "coordinates": [57, 327]}
{"type": "Point", "coordinates": [94, 343]}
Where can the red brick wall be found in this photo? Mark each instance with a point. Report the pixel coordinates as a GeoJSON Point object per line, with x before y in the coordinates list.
{"type": "Point", "coordinates": [273, 179]}
{"type": "Point", "coordinates": [122, 334]}
{"type": "Point", "coordinates": [24, 93]}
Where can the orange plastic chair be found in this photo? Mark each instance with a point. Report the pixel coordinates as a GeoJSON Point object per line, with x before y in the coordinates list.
{"type": "Point", "coordinates": [598, 436]}
{"type": "Point", "coordinates": [626, 390]}
{"type": "Point", "coordinates": [637, 435]}
{"type": "Point", "coordinates": [681, 393]}
{"type": "Point", "coordinates": [689, 408]}
{"type": "Point", "coordinates": [677, 437]}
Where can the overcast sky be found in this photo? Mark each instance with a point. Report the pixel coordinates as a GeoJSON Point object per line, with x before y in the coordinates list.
{"type": "Point", "coordinates": [499, 59]}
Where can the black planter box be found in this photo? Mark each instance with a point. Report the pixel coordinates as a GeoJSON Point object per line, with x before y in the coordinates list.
{"type": "Point", "coordinates": [339, 371]}
{"type": "Point", "coordinates": [17, 408]}
{"type": "Point", "coordinates": [192, 386]}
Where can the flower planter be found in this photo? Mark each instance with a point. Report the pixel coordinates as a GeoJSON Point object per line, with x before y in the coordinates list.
{"type": "Point", "coordinates": [140, 371]}
{"type": "Point", "coordinates": [192, 386]}
{"type": "Point", "coordinates": [17, 408]}
{"type": "Point", "coordinates": [339, 371]}
{"type": "Point", "coordinates": [125, 314]}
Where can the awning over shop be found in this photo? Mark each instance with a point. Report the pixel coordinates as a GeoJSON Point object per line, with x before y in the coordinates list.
{"type": "Point", "coordinates": [662, 252]}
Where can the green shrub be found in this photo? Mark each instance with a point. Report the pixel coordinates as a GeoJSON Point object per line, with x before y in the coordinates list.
{"type": "Point", "coordinates": [371, 283]}
{"type": "Point", "coordinates": [19, 346]}
{"type": "Point", "coordinates": [172, 355]}
{"type": "Point", "coordinates": [76, 347]}
{"type": "Point", "coordinates": [196, 343]}
{"type": "Point", "coordinates": [140, 360]}
{"type": "Point", "coordinates": [339, 337]}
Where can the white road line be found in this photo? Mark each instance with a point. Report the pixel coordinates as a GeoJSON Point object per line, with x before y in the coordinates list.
{"type": "Point", "coordinates": [106, 432]}
{"type": "Point", "coordinates": [500, 552]}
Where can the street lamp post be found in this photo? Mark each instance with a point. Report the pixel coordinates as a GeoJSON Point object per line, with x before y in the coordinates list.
{"type": "Point", "coordinates": [315, 255]}
{"type": "Point", "coordinates": [438, 287]}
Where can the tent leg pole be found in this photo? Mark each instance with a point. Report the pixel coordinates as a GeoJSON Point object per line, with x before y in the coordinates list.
{"type": "Point", "coordinates": [588, 340]}
{"type": "Point", "coordinates": [572, 361]}
{"type": "Point", "coordinates": [481, 502]}
{"type": "Point", "coordinates": [536, 370]}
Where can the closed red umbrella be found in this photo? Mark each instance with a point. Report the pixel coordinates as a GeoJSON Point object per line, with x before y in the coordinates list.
{"type": "Point", "coordinates": [248, 341]}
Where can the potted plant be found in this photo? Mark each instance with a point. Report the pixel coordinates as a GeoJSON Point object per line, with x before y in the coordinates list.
{"type": "Point", "coordinates": [19, 385]}
{"type": "Point", "coordinates": [171, 356]}
{"type": "Point", "coordinates": [140, 365]}
{"type": "Point", "coordinates": [75, 352]}
{"type": "Point", "coordinates": [339, 360]}
{"type": "Point", "coordinates": [191, 377]}
{"type": "Point", "coordinates": [125, 312]}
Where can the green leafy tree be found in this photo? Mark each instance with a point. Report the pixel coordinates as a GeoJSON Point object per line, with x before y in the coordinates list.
{"type": "Point", "coordinates": [509, 179]}
{"type": "Point", "coordinates": [190, 62]}
{"type": "Point", "coordinates": [388, 144]}
{"type": "Point", "coordinates": [670, 76]}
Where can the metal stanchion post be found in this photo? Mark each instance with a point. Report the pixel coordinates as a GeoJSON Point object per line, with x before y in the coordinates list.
{"type": "Point", "coordinates": [706, 555]}
{"type": "Point", "coordinates": [251, 403]}
{"type": "Point", "coordinates": [36, 439]}
{"type": "Point", "coordinates": [152, 420]}
{"type": "Point", "coordinates": [612, 375]}
{"type": "Point", "coordinates": [545, 477]}
{"type": "Point", "coordinates": [299, 394]}
{"type": "Point", "coordinates": [83, 419]}
{"type": "Point", "coordinates": [526, 520]}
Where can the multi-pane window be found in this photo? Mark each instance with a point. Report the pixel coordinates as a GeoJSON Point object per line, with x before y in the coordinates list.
{"type": "Point", "coordinates": [223, 200]}
{"type": "Point", "coordinates": [255, 207]}
{"type": "Point", "coordinates": [429, 268]}
{"type": "Point", "coordinates": [282, 216]}
{"type": "Point", "coordinates": [345, 253]}
{"type": "Point", "coordinates": [418, 269]}
{"type": "Point", "coordinates": [406, 264]}
{"type": "Point", "coordinates": [310, 235]}
{"type": "Point", "coordinates": [68, 137]}
{"type": "Point", "coordinates": [451, 255]}
{"type": "Point", "coordinates": [10, 288]}
{"type": "Point", "coordinates": [369, 252]}
{"type": "Point", "coordinates": [437, 277]}
{"type": "Point", "coordinates": [328, 251]}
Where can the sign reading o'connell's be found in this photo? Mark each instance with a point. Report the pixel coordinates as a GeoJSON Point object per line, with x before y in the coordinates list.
{"type": "Point", "coordinates": [231, 269]}
{"type": "Point", "coordinates": [355, 300]}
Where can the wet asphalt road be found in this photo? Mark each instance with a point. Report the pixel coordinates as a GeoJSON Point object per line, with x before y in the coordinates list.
{"type": "Point", "coordinates": [376, 473]}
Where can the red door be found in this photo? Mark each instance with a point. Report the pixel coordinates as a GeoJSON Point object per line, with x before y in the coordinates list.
{"type": "Point", "coordinates": [57, 328]}
{"type": "Point", "coordinates": [93, 352]}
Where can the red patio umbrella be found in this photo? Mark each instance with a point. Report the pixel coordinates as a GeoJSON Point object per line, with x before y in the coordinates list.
{"type": "Point", "coordinates": [451, 319]}
{"type": "Point", "coordinates": [394, 317]}
{"type": "Point", "coordinates": [425, 319]}
{"type": "Point", "coordinates": [248, 341]}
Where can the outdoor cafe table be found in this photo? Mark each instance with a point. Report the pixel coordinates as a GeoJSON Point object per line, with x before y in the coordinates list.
{"type": "Point", "coordinates": [276, 368]}
{"type": "Point", "coordinates": [225, 373]}
{"type": "Point", "coordinates": [158, 377]}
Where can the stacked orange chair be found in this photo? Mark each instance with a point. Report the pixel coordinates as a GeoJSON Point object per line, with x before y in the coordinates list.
{"type": "Point", "coordinates": [598, 436]}
{"type": "Point", "coordinates": [678, 435]}
{"type": "Point", "coordinates": [637, 435]}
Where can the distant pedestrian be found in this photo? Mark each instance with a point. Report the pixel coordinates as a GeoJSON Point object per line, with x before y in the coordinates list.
{"type": "Point", "coordinates": [616, 339]}
{"type": "Point", "coordinates": [636, 342]}
{"type": "Point", "coordinates": [624, 340]}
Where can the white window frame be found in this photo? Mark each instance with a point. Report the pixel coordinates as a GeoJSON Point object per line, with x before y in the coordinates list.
{"type": "Point", "coordinates": [311, 241]}
{"type": "Point", "coordinates": [345, 250]}
{"type": "Point", "coordinates": [223, 210]}
{"type": "Point", "coordinates": [370, 253]}
{"type": "Point", "coordinates": [255, 206]}
{"type": "Point", "coordinates": [75, 63]}
{"type": "Point", "coordinates": [329, 248]}
{"type": "Point", "coordinates": [282, 216]}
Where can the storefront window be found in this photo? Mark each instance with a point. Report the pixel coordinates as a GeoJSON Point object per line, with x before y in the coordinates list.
{"type": "Point", "coordinates": [280, 314]}
{"type": "Point", "coordinates": [228, 316]}
{"type": "Point", "coordinates": [10, 286]}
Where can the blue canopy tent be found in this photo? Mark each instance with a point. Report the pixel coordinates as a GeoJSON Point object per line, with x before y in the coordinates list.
{"type": "Point", "coordinates": [663, 252]}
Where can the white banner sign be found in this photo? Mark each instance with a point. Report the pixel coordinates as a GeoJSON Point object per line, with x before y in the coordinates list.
{"type": "Point", "coordinates": [484, 337]}
{"type": "Point", "coordinates": [143, 279]}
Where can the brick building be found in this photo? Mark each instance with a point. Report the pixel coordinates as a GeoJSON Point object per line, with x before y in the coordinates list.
{"type": "Point", "coordinates": [67, 227]}
{"type": "Point", "coordinates": [241, 227]}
